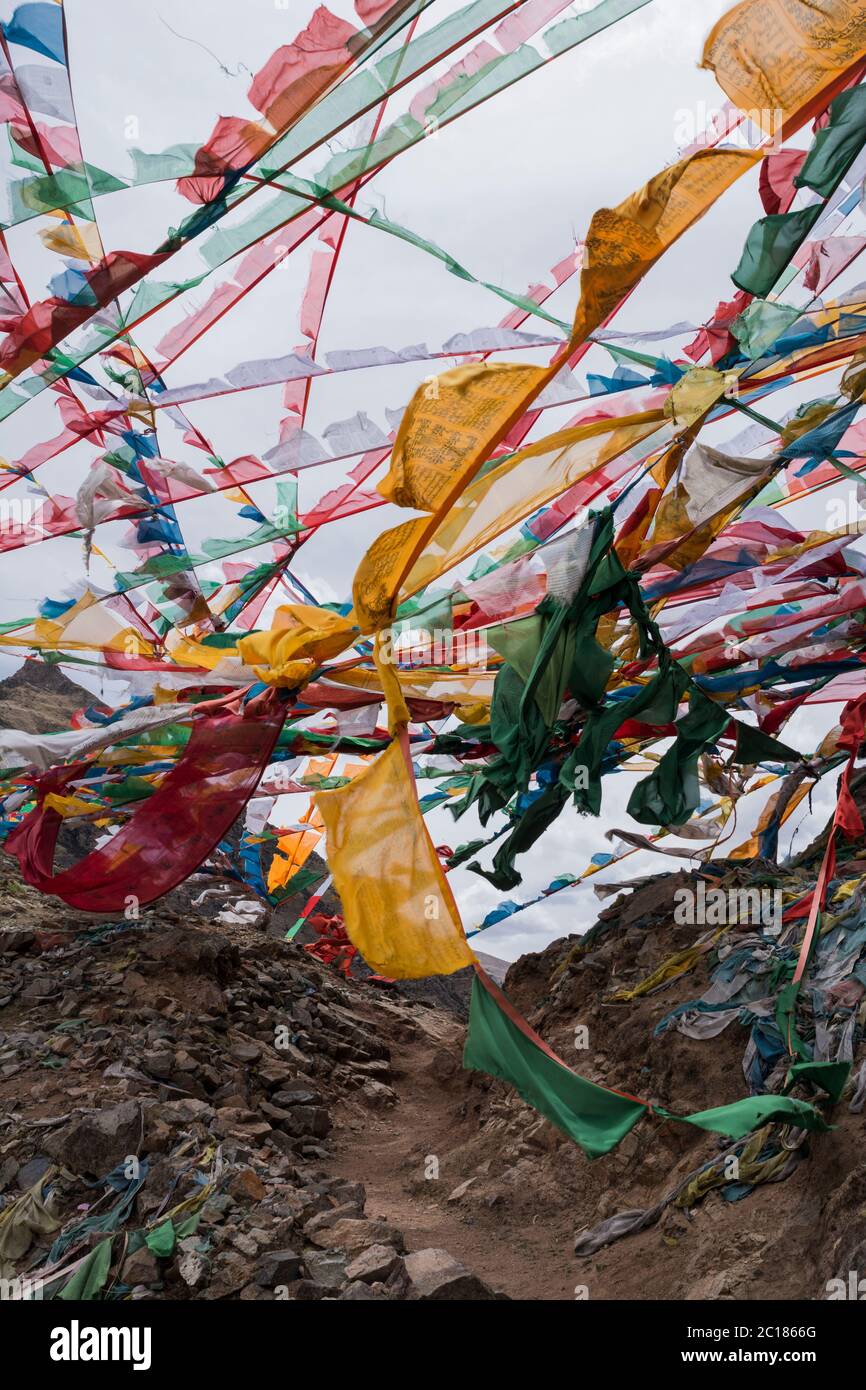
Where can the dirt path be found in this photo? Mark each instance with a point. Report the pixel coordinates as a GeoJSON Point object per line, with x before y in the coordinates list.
{"type": "Point", "coordinates": [387, 1149]}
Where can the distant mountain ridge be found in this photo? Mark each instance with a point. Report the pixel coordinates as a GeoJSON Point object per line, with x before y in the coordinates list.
{"type": "Point", "coordinates": [496, 968]}
{"type": "Point", "coordinates": [40, 699]}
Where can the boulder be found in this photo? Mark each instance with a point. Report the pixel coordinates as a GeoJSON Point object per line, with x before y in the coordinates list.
{"type": "Point", "coordinates": [359, 1293]}
{"type": "Point", "coordinates": [140, 1268]}
{"type": "Point", "coordinates": [246, 1186]}
{"type": "Point", "coordinates": [94, 1143]}
{"type": "Point", "coordinates": [374, 1264]}
{"type": "Point", "coordinates": [436, 1275]}
{"type": "Point", "coordinates": [355, 1234]}
{"type": "Point", "coordinates": [278, 1267]}
{"type": "Point", "coordinates": [378, 1095]}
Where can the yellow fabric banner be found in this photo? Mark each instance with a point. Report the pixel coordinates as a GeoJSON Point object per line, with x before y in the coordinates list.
{"type": "Point", "coordinates": [632, 537]}
{"type": "Point", "coordinates": [397, 906]}
{"type": "Point", "coordinates": [708, 489]}
{"type": "Point", "coordinates": [457, 409]}
{"type": "Point", "coordinates": [425, 684]}
{"type": "Point", "coordinates": [450, 427]}
{"type": "Point", "coordinates": [697, 392]}
{"type": "Point", "coordinates": [295, 848]}
{"type": "Point", "coordinates": [447, 420]}
{"type": "Point", "coordinates": [67, 806]}
{"type": "Point", "coordinates": [398, 710]}
{"type": "Point", "coordinates": [504, 496]}
{"type": "Point", "coordinates": [87, 626]}
{"type": "Point", "coordinates": [751, 849]}
{"type": "Point", "coordinates": [775, 56]}
{"type": "Point", "coordinates": [188, 651]}
{"type": "Point", "coordinates": [301, 638]}
{"type": "Point", "coordinates": [624, 242]}
{"type": "Point", "coordinates": [80, 243]}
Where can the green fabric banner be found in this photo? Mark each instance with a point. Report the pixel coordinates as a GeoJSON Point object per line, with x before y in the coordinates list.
{"type": "Point", "coordinates": [89, 1279]}
{"type": "Point", "coordinates": [754, 746]}
{"type": "Point", "coordinates": [672, 792]}
{"type": "Point", "coordinates": [835, 148]}
{"type": "Point", "coordinates": [593, 1116]}
{"type": "Point", "coordinates": [769, 247]}
{"type": "Point", "coordinates": [773, 240]}
{"type": "Point", "coordinates": [828, 1076]}
{"type": "Point", "coordinates": [742, 1116]}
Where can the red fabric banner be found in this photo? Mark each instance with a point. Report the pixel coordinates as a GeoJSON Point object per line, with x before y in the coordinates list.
{"type": "Point", "coordinates": [172, 832]}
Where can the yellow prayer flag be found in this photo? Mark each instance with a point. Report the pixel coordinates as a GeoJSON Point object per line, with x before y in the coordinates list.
{"type": "Point", "coordinates": [67, 806]}
{"type": "Point", "coordinates": [504, 496]}
{"type": "Point", "coordinates": [751, 849]}
{"type": "Point", "coordinates": [707, 491]}
{"type": "Point", "coordinates": [446, 421]}
{"type": "Point", "coordinates": [695, 392]}
{"type": "Point", "coordinates": [295, 849]}
{"type": "Point", "coordinates": [450, 426]}
{"type": "Point", "coordinates": [624, 242]}
{"type": "Point", "coordinates": [397, 906]}
{"type": "Point", "coordinates": [772, 57]}
{"type": "Point", "coordinates": [423, 683]}
{"type": "Point", "coordinates": [621, 245]}
{"type": "Point", "coordinates": [87, 626]}
{"type": "Point", "coordinates": [79, 243]}
{"type": "Point", "coordinates": [301, 638]}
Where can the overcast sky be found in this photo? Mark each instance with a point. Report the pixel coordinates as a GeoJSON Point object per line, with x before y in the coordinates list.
{"type": "Point", "coordinates": [506, 190]}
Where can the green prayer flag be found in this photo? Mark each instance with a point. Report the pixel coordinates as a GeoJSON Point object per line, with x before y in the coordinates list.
{"type": "Point", "coordinates": [757, 327]}
{"type": "Point", "coordinates": [835, 148]}
{"type": "Point", "coordinates": [754, 746]}
{"type": "Point", "coordinates": [672, 792]}
{"type": "Point", "coordinates": [189, 1226]}
{"type": "Point", "coordinates": [829, 1076]}
{"type": "Point", "coordinates": [161, 1241]}
{"type": "Point", "coordinates": [89, 1279]}
{"type": "Point", "coordinates": [595, 1118]}
{"type": "Point", "coordinates": [769, 247]}
{"type": "Point", "coordinates": [304, 879]}
{"type": "Point", "coordinates": [742, 1116]}
{"type": "Point", "coordinates": [538, 816]}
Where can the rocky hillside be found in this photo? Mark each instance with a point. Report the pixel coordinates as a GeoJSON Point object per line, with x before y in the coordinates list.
{"type": "Point", "coordinates": [172, 1104]}
{"type": "Point", "coordinates": [298, 1136]}
{"type": "Point", "coordinates": [652, 1219]}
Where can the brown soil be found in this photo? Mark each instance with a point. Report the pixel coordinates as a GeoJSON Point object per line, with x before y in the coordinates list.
{"type": "Point", "coordinates": [389, 1151]}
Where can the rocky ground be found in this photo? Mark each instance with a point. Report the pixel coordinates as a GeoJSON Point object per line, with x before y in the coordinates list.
{"type": "Point", "coordinates": [191, 1100]}
{"type": "Point", "coordinates": [312, 1138]}
{"type": "Point", "coordinates": [225, 1075]}
{"type": "Point", "coordinates": [783, 1240]}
